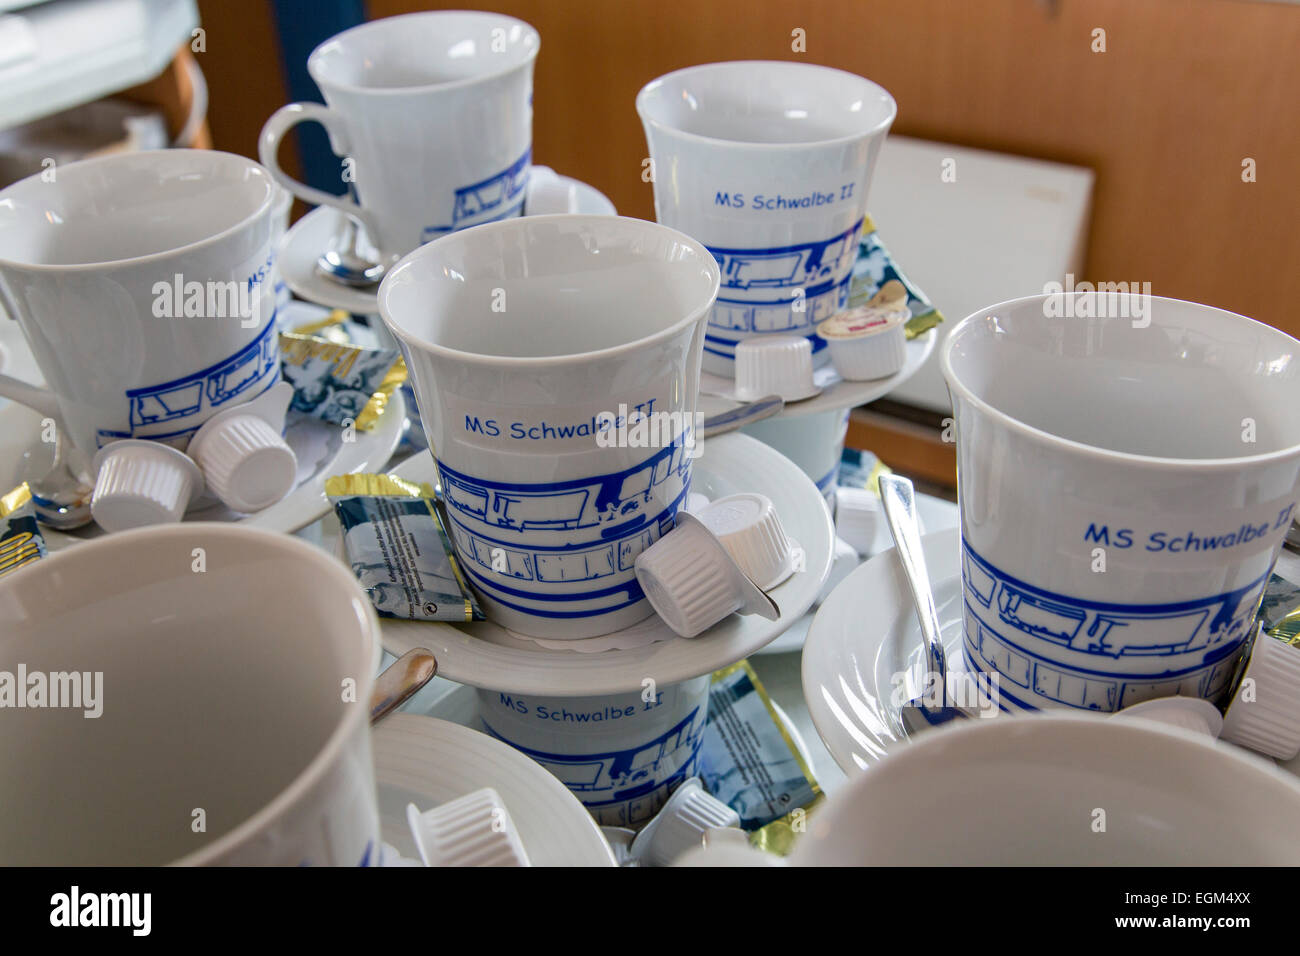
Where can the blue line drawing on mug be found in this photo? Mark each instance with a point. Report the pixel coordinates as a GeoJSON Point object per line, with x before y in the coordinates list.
{"type": "Point", "coordinates": [1022, 632]}
{"type": "Point", "coordinates": [500, 196]}
{"type": "Point", "coordinates": [521, 563]}
{"type": "Point", "coordinates": [820, 272]}
{"type": "Point", "coordinates": [643, 775]}
{"type": "Point", "coordinates": [598, 508]}
{"type": "Point", "coordinates": [555, 535]}
{"type": "Point", "coordinates": [788, 267]}
{"type": "Point", "coordinates": [1108, 630]}
{"type": "Point", "coordinates": [238, 378]}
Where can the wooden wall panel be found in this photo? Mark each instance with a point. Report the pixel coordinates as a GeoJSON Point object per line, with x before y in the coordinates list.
{"type": "Point", "coordinates": [1185, 91]}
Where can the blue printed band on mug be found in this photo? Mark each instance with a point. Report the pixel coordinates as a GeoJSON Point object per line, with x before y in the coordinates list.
{"type": "Point", "coordinates": [565, 549]}
{"type": "Point", "coordinates": [760, 289]}
{"type": "Point", "coordinates": [626, 787]}
{"type": "Point", "coordinates": [158, 411]}
{"type": "Point", "coordinates": [498, 197]}
{"type": "Point", "coordinates": [1052, 649]}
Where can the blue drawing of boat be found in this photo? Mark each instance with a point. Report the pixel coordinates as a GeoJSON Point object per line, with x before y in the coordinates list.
{"type": "Point", "coordinates": [155, 411]}
{"type": "Point", "coordinates": [500, 196]}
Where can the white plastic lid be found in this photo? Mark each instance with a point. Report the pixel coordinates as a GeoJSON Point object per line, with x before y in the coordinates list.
{"type": "Point", "coordinates": [473, 830]}
{"type": "Point", "coordinates": [140, 482]}
{"type": "Point", "coordinates": [693, 582]}
{"type": "Point", "coordinates": [750, 529]}
{"type": "Point", "coordinates": [1265, 711]}
{"type": "Point", "coordinates": [860, 520]}
{"type": "Point", "coordinates": [246, 462]}
{"type": "Point", "coordinates": [775, 365]}
{"type": "Point", "coordinates": [681, 825]}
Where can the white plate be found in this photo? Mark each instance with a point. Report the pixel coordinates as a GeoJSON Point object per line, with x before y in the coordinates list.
{"type": "Point", "coordinates": [485, 655]}
{"type": "Point", "coordinates": [864, 634]}
{"type": "Point", "coordinates": [835, 392]}
{"type": "Point", "coordinates": [430, 762]}
{"type": "Point", "coordinates": [312, 234]}
{"type": "Point", "coordinates": [319, 446]}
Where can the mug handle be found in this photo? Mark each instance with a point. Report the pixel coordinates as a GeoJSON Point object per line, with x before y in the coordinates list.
{"type": "Point", "coordinates": [35, 397]}
{"type": "Point", "coordinates": [268, 149]}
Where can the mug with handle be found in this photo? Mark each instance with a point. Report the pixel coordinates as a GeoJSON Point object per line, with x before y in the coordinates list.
{"type": "Point", "coordinates": [433, 114]}
{"type": "Point", "coordinates": [144, 285]}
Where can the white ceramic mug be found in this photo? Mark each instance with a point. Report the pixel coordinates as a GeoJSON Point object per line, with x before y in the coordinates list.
{"type": "Point", "coordinates": [1127, 468]}
{"type": "Point", "coordinates": [143, 283]}
{"type": "Point", "coordinates": [1053, 790]}
{"type": "Point", "coordinates": [768, 164]}
{"type": "Point", "coordinates": [434, 110]}
{"type": "Point", "coordinates": [532, 343]}
{"type": "Point", "coordinates": [235, 669]}
{"type": "Point", "coordinates": [621, 755]}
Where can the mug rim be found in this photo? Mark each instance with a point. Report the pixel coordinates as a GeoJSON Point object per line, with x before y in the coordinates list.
{"type": "Point", "coordinates": [956, 387]}
{"type": "Point", "coordinates": [642, 98]}
{"type": "Point", "coordinates": [388, 23]}
{"type": "Point", "coordinates": [693, 315]}
{"type": "Point", "coordinates": [910, 761]}
{"type": "Point", "coordinates": [151, 157]}
{"type": "Point", "coordinates": [329, 752]}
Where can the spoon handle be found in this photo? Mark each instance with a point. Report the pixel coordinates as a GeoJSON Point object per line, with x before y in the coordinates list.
{"type": "Point", "coordinates": [898, 498]}
{"type": "Point", "coordinates": [399, 682]}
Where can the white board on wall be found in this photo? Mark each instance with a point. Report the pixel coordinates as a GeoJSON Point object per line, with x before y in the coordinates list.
{"type": "Point", "coordinates": [997, 227]}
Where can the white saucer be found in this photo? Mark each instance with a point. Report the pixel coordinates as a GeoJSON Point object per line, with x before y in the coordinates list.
{"type": "Point", "coordinates": [863, 634]}
{"type": "Point", "coordinates": [486, 655]}
{"type": "Point", "coordinates": [318, 445]}
{"type": "Point", "coordinates": [430, 762]}
{"type": "Point", "coordinates": [866, 632]}
{"type": "Point", "coordinates": [833, 392]}
{"type": "Point", "coordinates": [310, 235]}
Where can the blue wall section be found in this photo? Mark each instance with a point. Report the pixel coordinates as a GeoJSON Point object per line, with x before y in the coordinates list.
{"type": "Point", "coordinates": [303, 25]}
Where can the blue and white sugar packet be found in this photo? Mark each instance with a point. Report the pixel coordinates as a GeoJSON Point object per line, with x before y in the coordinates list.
{"type": "Point", "coordinates": [398, 548]}
{"type": "Point", "coordinates": [747, 759]}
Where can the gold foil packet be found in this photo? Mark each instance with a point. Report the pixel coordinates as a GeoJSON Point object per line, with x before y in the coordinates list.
{"type": "Point", "coordinates": [340, 382]}
{"type": "Point", "coordinates": [879, 282]}
{"type": "Point", "coordinates": [749, 761]}
{"type": "Point", "coordinates": [21, 541]}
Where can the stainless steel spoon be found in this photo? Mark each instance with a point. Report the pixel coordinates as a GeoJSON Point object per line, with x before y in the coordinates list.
{"type": "Point", "coordinates": [399, 682]}
{"type": "Point", "coordinates": [61, 493]}
{"type": "Point", "coordinates": [898, 498]}
{"type": "Point", "coordinates": [743, 415]}
{"type": "Point", "coordinates": [343, 261]}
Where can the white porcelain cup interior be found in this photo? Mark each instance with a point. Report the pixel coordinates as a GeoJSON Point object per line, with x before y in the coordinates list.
{"type": "Point", "coordinates": [225, 658]}
{"type": "Point", "coordinates": [1060, 790]}
{"type": "Point", "coordinates": [101, 212]}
